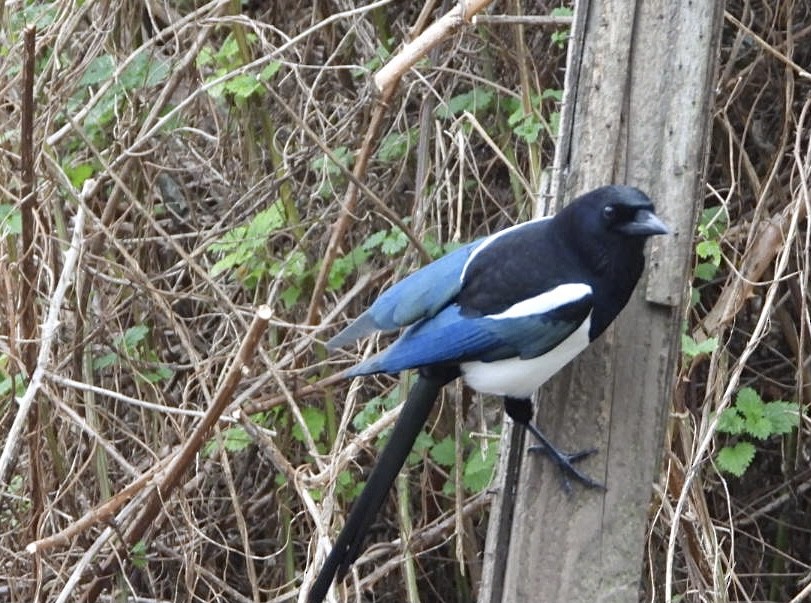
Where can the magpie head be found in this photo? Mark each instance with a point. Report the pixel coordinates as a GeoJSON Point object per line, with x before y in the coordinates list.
{"type": "Point", "coordinates": [612, 212]}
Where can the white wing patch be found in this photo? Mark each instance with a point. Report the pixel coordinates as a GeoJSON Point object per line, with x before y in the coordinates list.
{"type": "Point", "coordinates": [521, 378]}
{"type": "Point", "coordinates": [546, 301]}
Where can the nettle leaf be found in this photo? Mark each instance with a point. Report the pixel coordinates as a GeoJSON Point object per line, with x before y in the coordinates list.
{"type": "Point", "coordinates": [133, 336]}
{"type": "Point", "coordinates": [422, 444]}
{"type": "Point", "coordinates": [705, 271]}
{"type": "Point", "coordinates": [394, 243]}
{"type": "Point", "coordinates": [784, 416]}
{"type": "Point", "coordinates": [528, 130]}
{"type": "Point", "coordinates": [479, 468]}
{"type": "Point", "coordinates": [475, 100]}
{"type": "Point", "coordinates": [692, 348]}
{"type": "Point", "coordinates": [736, 459]}
{"type": "Point", "coordinates": [11, 221]}
{"type": "Point", "coordinates": [244, 86]}
{"type": "Point", "coordinates": [712, 222]}
{"type": "Point", "coordinates": [711, 250]}
{"type": "Point", "coordinates": [749, 402]}
{"type": "Point", "coordinates": [315, 419]}
{"type": "Point", "coordinates": [731, 422]}
{"type": "Point", "coordinates": [444, 452]}
{"type": "Point", "coordinates": [98, 71]}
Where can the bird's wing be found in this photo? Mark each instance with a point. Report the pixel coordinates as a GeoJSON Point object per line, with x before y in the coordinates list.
{"type": "Point", "coordinates": [527, 329]}
{"type": "Point", "coordinates": [418, 296]}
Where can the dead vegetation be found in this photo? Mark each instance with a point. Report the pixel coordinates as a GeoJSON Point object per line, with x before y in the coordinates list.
{"type": "Point", "coordinates": [187, 164]}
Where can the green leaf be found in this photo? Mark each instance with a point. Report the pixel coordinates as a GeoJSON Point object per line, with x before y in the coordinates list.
{"type": "Point", "coordinates": [315, 419]}
{"type": "Point", "coordinates": [395, 145]}
{"type": "Point", "coordinates": [138, 554]}
{"type": "Point", "coordinates": [132, 337]}
{"type": "Point", "coordinates": [98, 70]}
{"type": "Point", "coordinates": [444, 452]}
{"type": "Point", "coordinates": [477, 99]}
{"type": "Point", "coordinates": [712, 223]}
{"type": "Point", "coordinates": [244, 86]}
{"type": "Point", "coordinates": [529, 130]}
{"type": "Point", "coordinates": [394, 243]}
{"type": "Point", "coordinates": [691, 348]}
{"type": "Point", "coordinates": [705, 271]}
{"type": "Point", "coordinates": [11, 222]}
{"type": "Point", "coordinates": [423, 443]}
{"type": "Point", "coordinates": [344, 266]}
{"type": "Point", "coordinates": [78, 174]}
{"type": "Point", "coordinates": [159, 374]}
{"type": "Point", "coordinates": [270, 70]}
{"type": "Point", "coordinates": [784, 416]}
{"type": "Point", "coordinates": [736, 459]}
{"type": "Point", "coordinates": [731, 422]}
{"type": "Point", "coordinates": [479, 468]}
{"type": "Point", "coordinates": [711, 250]}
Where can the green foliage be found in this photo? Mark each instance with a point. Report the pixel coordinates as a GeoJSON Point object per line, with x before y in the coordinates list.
{"type": "Point", "coordinates": [751, 416]}
{"type": "Point", "coordinates": [134, 346]}
{"type": "Point", "coordinates": [138, 554]}
{"type": "Point", "coordinates": [143, 71]}
{"type": "Point", "coordinates": [473, 101]}
{"type": "Point", "coordinates": [395, 145]}
{"type": "Point", "coordinates": [559, 37]}
{"type": "Point", "coordinates": [10, 383]}
{"type": "Point", "coordinates": [692, 348]}
{"type": "Point", "coordinates": [316, 421]}
{"type": "Point", "coordinates": [247, 255]}
{"type": "Point", "coordinates": [332, 175]}
{"type": "Point", "coordinates": [711, 227]}
{"type": "Point", "coordinates": [477, 467]}
{"type": "Point", "coordinates": [390, 242]}
{"type": "Point", "coordinates": [227, 58]}
{"type": "Point", "coordinates": [528, 126]}
{"type": "Point", "coordinates": [234, 439]}
{"type": "Point", "coordinates": [11, 222]}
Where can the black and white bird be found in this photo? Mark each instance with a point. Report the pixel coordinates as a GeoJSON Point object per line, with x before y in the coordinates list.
{"type": "Point", "coordinates": [505, 313]}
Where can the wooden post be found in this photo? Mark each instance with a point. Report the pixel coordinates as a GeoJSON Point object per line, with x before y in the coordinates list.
{"type": "Point", "coordinates": [638, 111]}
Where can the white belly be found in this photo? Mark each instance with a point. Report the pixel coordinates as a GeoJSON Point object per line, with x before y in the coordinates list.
{"type": "Point", "coordinates": [518, 378]}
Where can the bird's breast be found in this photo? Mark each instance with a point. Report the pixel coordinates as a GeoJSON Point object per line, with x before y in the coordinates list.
{"type": "Point", "coordinates": [520, 378]}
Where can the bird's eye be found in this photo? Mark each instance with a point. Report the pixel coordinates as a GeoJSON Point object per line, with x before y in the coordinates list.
{"type": "Point", "coordinates": [609, 213]}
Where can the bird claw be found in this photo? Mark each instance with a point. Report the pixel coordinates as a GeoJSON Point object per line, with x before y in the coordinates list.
{"type": "Point", "coordinates": [565, 461]}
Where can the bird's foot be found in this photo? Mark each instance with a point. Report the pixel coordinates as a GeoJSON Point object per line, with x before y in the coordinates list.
{"type": "Point", "coordinates": [565, 461]}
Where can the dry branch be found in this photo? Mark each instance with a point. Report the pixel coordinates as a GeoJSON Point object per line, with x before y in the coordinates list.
{"type": "Point", "coordinates": [186, 455]}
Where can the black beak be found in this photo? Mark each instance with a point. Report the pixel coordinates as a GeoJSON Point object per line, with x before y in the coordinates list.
{"type": "Point", "coordinates": [644, 224]}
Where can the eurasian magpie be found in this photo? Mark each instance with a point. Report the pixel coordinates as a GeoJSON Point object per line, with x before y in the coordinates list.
{"type": "Point", "coordinates": [505, 313]}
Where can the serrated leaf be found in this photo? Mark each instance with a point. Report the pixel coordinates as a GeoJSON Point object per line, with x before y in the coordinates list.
{"type": "Point", "coordinates": [423, 443]}
{"type": "Point", "coordinates": [444, 452]}
{"type": "Point", "coordinates": [731, 422]}
{"type": "Point", "coordinates": [736, 459]}
{"type": "Point", "coordinates": [11, 221]}
{"type": "Point", "coordinates": [395, 145]}
{"type": "Point", "coordinates": [479, 468]}
{"type": "Point", "coordinates": [315, 419]}
{"type": "Point", "coordinates": [394, 243]}
{"type": "Point", "coordinates": [711, 250]}
{"type": "Point", "coordinates": [749, 402]}
{"type": "Point", "coordinates": [784, 416]}
{"type": "Point", "coordinates": [528, 130]}
{"type": "Point", "coordinates": [472, 101]}
{"type": "Point", "coordinates": [758, 426]}
{"type": "Point", "coordinates": [244, 85]}
{"type": "Point", "coordinates": [691, 348]}
{"type": "Point", "coordinates": [270, 70]}
{"type": "Point", "coordinates": [705, 271]}
{"type": "Point", "coordinates": [138, 554]}
{"type": "Point", "coordinates": [98, 70]}
{"type": "Point", "coordinates": [133, 336]}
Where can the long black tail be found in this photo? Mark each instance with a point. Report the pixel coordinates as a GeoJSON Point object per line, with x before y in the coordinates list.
{"type": "Point", "coordinates": [412, 418]}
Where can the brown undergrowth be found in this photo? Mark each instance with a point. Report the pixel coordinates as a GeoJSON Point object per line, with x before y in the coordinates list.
{"type": "Point", "coordinates": [189, 162]}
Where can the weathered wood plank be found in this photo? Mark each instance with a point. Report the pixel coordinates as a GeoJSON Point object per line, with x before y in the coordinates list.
{"type": "Point", "coordinates": [641, 115]}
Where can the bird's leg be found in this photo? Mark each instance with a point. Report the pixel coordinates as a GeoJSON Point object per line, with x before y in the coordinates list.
{"type": "Point", "coordinates": [520, 411]}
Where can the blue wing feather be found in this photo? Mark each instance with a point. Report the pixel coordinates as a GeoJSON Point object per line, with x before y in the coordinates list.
{"type": "Point", "coordinates": [418, 296]}
{"type": "Point", "coordinates": [450, 337]}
